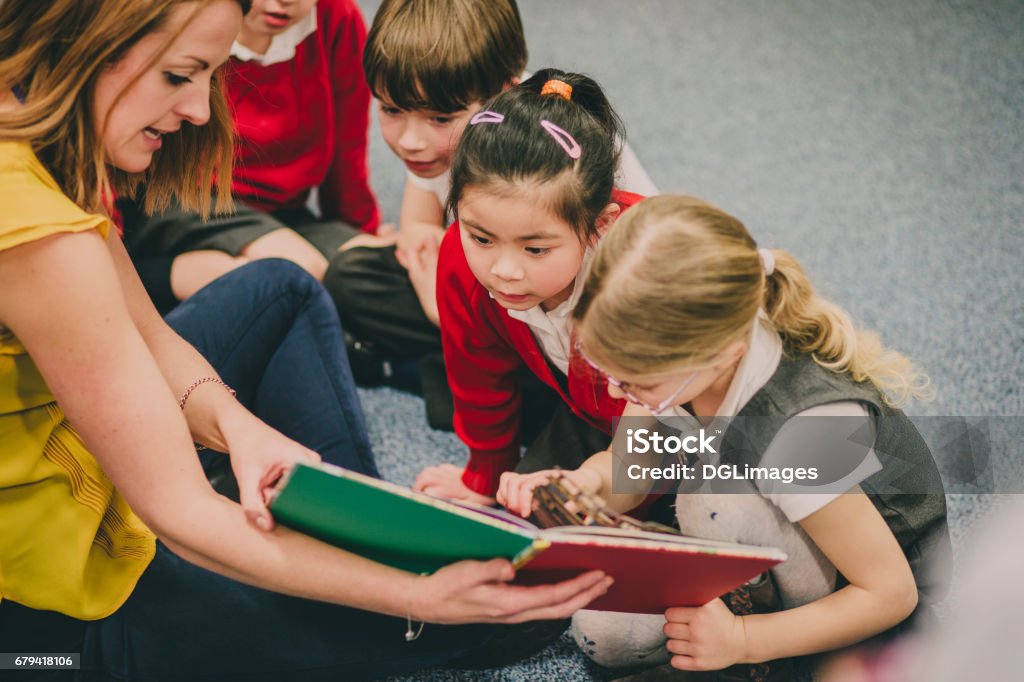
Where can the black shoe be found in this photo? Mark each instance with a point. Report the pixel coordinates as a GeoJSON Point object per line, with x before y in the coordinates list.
{"type": "Point", "coordinates": [437, 396]}
{"type": "Point", "coordinates": [371, 369]}
{"type": "Point", "coordinates": [368, 367]}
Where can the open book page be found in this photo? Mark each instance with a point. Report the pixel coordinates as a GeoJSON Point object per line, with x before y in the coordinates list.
{"type": "Point", "coordinates": [639, 538]}
{"type": "Point", "coordinates": [621, 536]}
{"type": "Point", "coordinates": [499, 514]}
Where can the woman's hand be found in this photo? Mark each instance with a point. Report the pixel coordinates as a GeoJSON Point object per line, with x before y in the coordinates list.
{"type": "Point", "coordinates": [260, 455]}
{"type": "Point", "coordinates": [708, 637]}
{"type": "Point", "coordinates": [478, 592]}
{"type": "Point", "coordinates": [445, 480]}
{"type": "Point", "coordinates": [515, 491]}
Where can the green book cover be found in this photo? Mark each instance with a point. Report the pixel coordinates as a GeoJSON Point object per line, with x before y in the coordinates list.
{"type": "Point", "coordinates": [392, 524]}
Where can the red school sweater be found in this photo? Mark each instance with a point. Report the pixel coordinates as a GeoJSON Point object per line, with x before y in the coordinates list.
{"type": "Point", "coordinates": [304, 123]}
{"type": "Point", "coordinates": [483, 349]}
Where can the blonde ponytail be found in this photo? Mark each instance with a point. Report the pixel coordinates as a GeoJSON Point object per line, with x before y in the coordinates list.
{"type": "Point", "coordinates": [814, 325]}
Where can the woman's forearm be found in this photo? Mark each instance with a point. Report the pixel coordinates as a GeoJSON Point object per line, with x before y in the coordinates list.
{"type": "Point", "coordinates": [180, 364]}
{"type": "Point", "coordinates": [210, 407]}
{"type": "Point", "coordinates": [214, 533]}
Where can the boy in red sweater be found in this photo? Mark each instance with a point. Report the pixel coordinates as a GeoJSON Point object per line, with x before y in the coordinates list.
{"type": "Point", "coordinates": [301, 111]}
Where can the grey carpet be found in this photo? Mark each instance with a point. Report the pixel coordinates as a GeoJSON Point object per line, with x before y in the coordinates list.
{"type": "Point", "coordinates": [880, 142]}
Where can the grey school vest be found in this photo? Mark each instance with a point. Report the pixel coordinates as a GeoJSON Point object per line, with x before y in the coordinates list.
{"type": "Point", "coordinates": [917, 520]}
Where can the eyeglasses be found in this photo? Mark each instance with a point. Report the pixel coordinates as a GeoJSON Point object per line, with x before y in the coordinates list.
{"type": "Point", "coordinates": [632, 397]}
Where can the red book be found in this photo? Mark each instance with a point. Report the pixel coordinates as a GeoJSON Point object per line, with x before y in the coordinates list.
{"type": "Point", "coordinates": [652, 571]}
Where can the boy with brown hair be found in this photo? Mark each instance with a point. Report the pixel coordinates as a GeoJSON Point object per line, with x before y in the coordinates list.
{"type": "Point", "coordinates": [430, 64]}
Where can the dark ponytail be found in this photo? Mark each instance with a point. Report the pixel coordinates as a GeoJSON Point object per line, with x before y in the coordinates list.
{"type": "Point", "coordinates": [518, 151]}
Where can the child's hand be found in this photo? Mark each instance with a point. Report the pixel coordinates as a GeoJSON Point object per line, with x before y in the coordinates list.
{"type": "Point", "coordinates": [445, 480]}
{"type": "Point", "coordinates": [413, 234]}
{"type": "Point", "coordinates": [421, 262]}
{"type": "Point", "coordinates": [705, 637]}
{"type": "Point", "coordinates": [515, 491]}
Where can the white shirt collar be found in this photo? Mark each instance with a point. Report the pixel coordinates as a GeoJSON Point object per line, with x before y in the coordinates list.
{"type": "Point", "coordinates": [755, 369]}
{"type": "Point", "coordinates": [553, 329]}
{"type": "Point", "coordinates": [282, 46]}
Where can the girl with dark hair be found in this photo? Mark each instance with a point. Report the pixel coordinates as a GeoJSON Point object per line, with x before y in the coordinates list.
{"type": "Point", "coordinates": [532, 191]}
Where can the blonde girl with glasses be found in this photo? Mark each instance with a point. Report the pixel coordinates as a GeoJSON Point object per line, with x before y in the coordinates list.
{"type": "Point", "coordinates": [690, 321]}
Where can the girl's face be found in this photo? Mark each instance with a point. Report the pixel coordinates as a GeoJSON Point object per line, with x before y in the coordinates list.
{"type": "Point", "coordinates": [521, 252]}
{"type": "Point", "coordinates": [136, 105]}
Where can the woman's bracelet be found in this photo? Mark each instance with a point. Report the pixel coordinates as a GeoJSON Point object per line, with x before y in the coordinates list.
{"type": "Point", "coordinates": [199, 382]}
{"type": "Point", "coordinates": [410, 634]}
{"type": "Point", "coordinates": [193, 386]}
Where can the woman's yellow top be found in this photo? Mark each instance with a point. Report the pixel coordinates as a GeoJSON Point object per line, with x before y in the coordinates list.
{"type": "Point", "coordinates": [68, 540]}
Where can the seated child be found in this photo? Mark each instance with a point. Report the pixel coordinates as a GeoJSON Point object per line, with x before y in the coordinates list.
{"type": "Point", "coordinates": [533, 190]}
{"type": "Point", "coordinates": [431, 64]}
{"type": "Point", "coordinates": [301, 113]}
{"type": "Point", "coordinates": [685, 316]}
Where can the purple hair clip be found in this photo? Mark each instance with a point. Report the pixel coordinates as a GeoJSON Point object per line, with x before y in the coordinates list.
{"type": "Point", "coordinates": [564, 139]}
{"type": "Point", "coordinates": [486, 117]}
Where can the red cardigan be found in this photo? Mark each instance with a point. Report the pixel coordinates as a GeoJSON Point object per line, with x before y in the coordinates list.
{"type": "Point", "coordinates": [304, 123]}
{"type": "Point", "coordinates": [483, 348]}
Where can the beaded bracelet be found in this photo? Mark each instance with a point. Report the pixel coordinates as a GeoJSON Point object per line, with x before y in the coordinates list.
{"type": "Point", "coordinates": [199, 382]}
{"type": "Point", "coordinates": [193, 386]}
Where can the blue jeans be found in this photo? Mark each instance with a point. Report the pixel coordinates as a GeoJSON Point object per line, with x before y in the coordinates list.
{"type": "Point", "coordinates": [272, 333]}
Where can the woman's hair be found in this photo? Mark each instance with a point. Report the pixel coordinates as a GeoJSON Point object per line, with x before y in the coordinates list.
{"type": "Point", "coordinates": [520, 153]}
{"type": "Point", "coordinates": [443, 55]}
{"type": "Point", "coordinates": [677, 280]}
{"type": "Point", "coordinates": [55, 51]}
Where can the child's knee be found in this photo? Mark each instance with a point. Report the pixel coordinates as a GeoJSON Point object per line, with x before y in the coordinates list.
{"type": "Point", "coordinates": [287, 244]}
{"type": "Point", "coordinates": [619, 640]}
